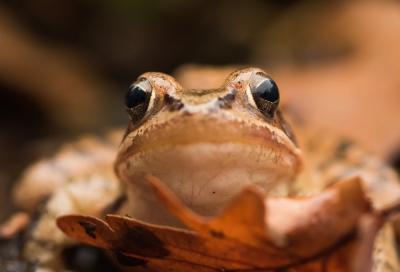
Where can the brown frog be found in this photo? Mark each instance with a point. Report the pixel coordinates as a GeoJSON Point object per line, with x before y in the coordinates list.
{"type": "Point", "coordinates": [206, 146]}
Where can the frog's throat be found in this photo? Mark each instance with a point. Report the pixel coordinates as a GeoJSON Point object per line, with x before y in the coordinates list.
{"type": "Point", "coordinates": [206, 176]}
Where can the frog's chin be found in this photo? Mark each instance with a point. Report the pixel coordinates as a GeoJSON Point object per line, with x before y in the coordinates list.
{"type": "Point", "coordinates": [205, 176]}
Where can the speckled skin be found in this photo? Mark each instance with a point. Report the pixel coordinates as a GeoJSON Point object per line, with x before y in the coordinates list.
{"type": "Point", "coordinates": [205, 145]}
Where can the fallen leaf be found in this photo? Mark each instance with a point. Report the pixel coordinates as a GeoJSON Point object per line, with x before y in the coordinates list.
{"type": "Point", "coordinates": [316, 233]}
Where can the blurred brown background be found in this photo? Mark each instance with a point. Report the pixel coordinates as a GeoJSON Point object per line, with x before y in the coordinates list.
{"type": "Point", "coordinates": [65, 65]}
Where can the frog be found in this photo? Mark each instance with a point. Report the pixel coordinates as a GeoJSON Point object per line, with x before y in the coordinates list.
{"type": "Point", "coordinates": [206, 146]}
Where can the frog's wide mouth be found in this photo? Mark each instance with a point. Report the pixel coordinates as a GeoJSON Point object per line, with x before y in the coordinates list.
{"type": "Point", "coordinates": [214, 129]}
{"type": "Point", "coordinates": [247, 141]}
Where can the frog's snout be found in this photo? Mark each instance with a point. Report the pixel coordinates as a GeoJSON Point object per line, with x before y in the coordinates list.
{"type": "Point", "coordinates": [214, 104]}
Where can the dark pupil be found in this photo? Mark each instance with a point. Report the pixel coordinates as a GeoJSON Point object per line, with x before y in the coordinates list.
{"type": "Point", "coordinates": [135, 96]}
{"type": "Point", "coordinates": [268, 91]}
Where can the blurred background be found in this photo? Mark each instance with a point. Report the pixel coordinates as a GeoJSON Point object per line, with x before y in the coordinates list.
{"type": "Point", "coordinates": [65, 65]}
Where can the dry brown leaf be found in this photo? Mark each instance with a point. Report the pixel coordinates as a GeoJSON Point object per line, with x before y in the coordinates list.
{"type": "Point", "coordinates": [316, 233]}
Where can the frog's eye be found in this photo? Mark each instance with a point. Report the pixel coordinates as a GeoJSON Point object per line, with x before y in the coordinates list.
{"type": "Point", "coordinates": [135, 96]}
{"type": "Point", "coordinates": [139, 99]}
{"type": "Point", "coordinates": [263, 94]}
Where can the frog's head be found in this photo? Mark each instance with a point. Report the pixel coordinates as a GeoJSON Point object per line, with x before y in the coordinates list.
{"type": "Point", "coordinates": [206, 145]}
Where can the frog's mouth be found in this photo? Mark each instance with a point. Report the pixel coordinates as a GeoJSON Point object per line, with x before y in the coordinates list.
{"type": "Point", "coordinates": [207, 161]}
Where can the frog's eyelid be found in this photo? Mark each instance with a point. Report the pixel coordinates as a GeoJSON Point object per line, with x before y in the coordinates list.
{"type": "Point", "coordinates": [250, 98]}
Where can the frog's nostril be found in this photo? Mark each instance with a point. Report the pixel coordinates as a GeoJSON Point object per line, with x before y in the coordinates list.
{"type": "Point", "coordinates": [176, 105]}
{"type": "Point", "coordinates": [226, 101]}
